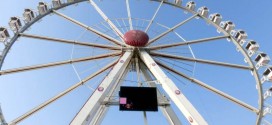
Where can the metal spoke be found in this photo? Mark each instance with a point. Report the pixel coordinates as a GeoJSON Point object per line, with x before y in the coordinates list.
{"type": "Point", "coordinates": [43, 105]}
{"type": "Point", "coordinates": [218, 92]}
{"type": "Point", "coordinates": [90, 29]}
{"type": "Point", "coordinates": [129, 15]}
{"type": "Point", "coordinates": [200, 61]}
{"type": "Point", "coordinates": [154, 16]}
{"type": "Point", "coordinates": [187, 42]}
{"type": "Point", "coordinates": [16, 70]}
{"type": "Point", "coordinates": [171, 29]}
{"type": "Point", "coordinates": [104, 16]}
{"type": "Point", "coordinates": [70, 41]}
{"type": "Point", "coordinates": [92, 105]}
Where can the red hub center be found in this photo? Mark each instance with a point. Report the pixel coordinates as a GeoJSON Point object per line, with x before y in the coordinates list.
{"type": "Point", "coordinates": [136, 38]}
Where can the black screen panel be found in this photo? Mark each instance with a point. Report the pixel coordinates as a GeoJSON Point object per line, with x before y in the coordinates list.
{"type": "Point", "coordinates": [138, 99]}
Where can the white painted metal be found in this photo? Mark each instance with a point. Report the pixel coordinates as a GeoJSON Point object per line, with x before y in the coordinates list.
{"type": "Point", "coordinates": [35, 67]}
{"type": "Point", "coordinates": [227, 25]}
{"type": "Point", "coordinates": [171, 29]}
{"type": "Point", "coordinates": [260, 100]}
{"type": "Point", "coordinates": [167, 110]}
{"type": "Point", "coordinates": [28, 15]}
{"type": "Point", "coordinates": [151, 21]}
{"type": "Point", "coordinates": [201, 61]}
{"type": "Point", "coordinates": [187, 42]}
{"type": "Point", "coordinates": [203, 11]}
{"type": "Point", "coordinates": [99, 116]}
{"type": "Point", "coordinates": [206, 86]}
{"type": "Point", "coordinates": [267, 110]}
{"type": "Point", "coordinates": [129, 15]}
{"type": "Point", "coordinates": [178, 2]}
{"type": "Point", "coordinates": [4, 34]}
{"type": "Point", "coordinates": [103, 108]}
{"type": "Point", "coordinates": [140, 84]}
{"type": "Point", "coordinates": [89, 28]}
{"type": "Point", "coordinates": [42, 8]}
{"type": "Point", "coordinates": [216, 18]}
{"type": "Point", "coordinates": [191, 5]}
{"type": "Point", "coordinates": [174, 93]}
{"type": "Point", "coordinates": [262, 59]}
{"type": "Point", "coordinates": [91, 106]}
{"type": "Point", "coordinates": [267, 94]}
{"type": "Point", "coordinates": [245, 54]}
{"type": "Point", "coordinates": [71, 41]}
{"type": "Point", "coordinates": [15, 24]}
{"type": "Point", "coordinates": [2, 119]}
{"type": "Point", "coordinates": [114, 28]}
{"type": "Point", "coordinates": [252, 47]}
{"type": "Point", "coordinates": [56, 3]}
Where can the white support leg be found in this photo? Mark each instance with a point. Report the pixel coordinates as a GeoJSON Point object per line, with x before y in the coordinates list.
{"type": "Point", "coordinates": [184, 105]}
{"type": "Point", "coordinates": [103, 109]}
{"type": "Point", "coordinates": [90, 108]}
{"type": "Point", "coordinates": [167, 110]}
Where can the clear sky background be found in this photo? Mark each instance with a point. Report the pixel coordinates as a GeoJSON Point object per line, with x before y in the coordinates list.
{"type": "Point", "coordinates": [23, 91]}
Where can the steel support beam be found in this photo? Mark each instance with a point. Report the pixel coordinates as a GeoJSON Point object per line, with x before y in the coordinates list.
{"type": "Point", "coordinates": [184, 105]}
{"type": "Point", "coordinates": [92, 105]}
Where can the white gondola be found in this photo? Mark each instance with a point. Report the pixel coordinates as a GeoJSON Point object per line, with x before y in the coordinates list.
{"type": "Point", "coordinates": [268, 93]}
{"type": "Point", "coordinates": [262, 59]}
{"type": "Point", "coordinates": [227, 26]}
{"type": "Point", "coordinates": [238, 35]}
{"type": "Point", "coordinates": [178, 2]}
{"type": "Point", "coordinates": [15, 24]}
{"type": "Point", "coordinates": [28, 15]}
{"type": "Point", "coordinates": [191, 5]}
{"type": "Point", "coordinates": [203, 11]}
{"type": "Point", "coordinates": [42, 8]}
{"type": "Point", "coordinates": [267, 75]}
{"type": "Point", "coordinates": [267, 110]}
{"type": "Point", "coordinates": [3, 34]}
{"type": "Point", "coordinates": [56, 3]}
{"type": "Point", "coordinates": [252, 47]}
{"type": "Point", "coordinates": [216, 18]}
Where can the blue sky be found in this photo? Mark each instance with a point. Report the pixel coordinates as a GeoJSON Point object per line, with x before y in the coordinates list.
{"type": "Point", "coordinates": [23, 91]}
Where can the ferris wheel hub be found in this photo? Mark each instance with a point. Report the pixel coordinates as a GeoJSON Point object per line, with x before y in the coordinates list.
{"type": "Point", "coordinates": [136, 38]}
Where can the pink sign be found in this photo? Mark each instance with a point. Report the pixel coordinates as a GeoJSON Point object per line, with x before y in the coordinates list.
{"type": "Point", "coordinates": [123, 100]}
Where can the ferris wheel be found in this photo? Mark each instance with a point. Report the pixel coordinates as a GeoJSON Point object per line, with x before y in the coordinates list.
{"type": "Point", "coordinates": [67, 62]}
